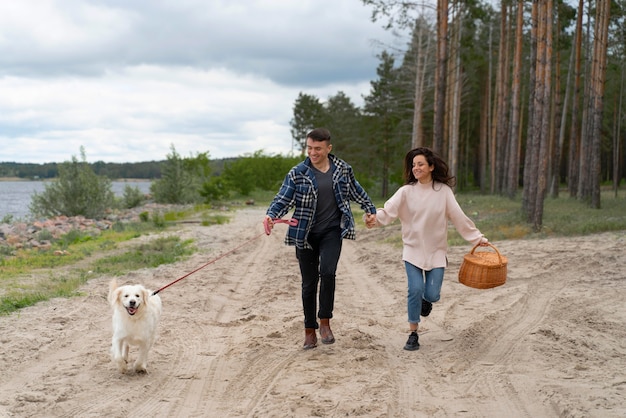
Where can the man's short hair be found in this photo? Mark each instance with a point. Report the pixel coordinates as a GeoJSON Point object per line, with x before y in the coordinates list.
{"type": "Point", "coordinates": [319, 134]}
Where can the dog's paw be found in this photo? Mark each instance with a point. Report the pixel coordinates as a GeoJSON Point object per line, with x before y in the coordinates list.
{"type": "Point", "coordinates": [120, 363]}
{"type": "Point", "coordinates": [140, 368]}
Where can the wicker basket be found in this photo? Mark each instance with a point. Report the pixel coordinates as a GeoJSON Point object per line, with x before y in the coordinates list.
{"type": "Point", "coordinates": [483, 270]}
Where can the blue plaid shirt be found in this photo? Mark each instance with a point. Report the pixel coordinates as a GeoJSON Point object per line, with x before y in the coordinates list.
{"type": "Point", "coordinates": [299, 189]}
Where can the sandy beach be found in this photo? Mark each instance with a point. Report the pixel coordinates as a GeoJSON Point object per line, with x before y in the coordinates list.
{"type": "Point", "coordinates": [551, 342]}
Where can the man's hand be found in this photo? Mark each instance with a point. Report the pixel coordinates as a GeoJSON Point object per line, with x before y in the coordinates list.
{"type": "Point", "coordinates": [268, 224]}
{"type": "Point", "coordinates": [370, 220]}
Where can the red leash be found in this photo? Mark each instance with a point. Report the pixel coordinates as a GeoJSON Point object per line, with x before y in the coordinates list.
{"type": "Point", "coordinates": [292, 222]}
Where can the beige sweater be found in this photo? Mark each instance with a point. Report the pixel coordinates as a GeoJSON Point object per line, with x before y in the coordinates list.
{"type": "Point", "coordinates": [424, 213]}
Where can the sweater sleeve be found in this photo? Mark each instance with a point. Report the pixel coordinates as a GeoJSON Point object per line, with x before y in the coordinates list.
{"type": "Point", "coordinates": [391, 209]}
{"type": "Point", "coordinates": [463, 224]}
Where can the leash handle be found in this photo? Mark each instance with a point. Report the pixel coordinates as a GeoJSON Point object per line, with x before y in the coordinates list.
{"type": "Point", "coordinates": [266, 224]}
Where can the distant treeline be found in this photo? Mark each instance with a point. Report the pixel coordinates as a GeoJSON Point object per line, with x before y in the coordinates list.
{"type": "Point", "coordinates": [144, 170]}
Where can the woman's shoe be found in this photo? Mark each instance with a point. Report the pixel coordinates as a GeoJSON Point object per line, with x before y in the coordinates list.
{"type": "Point", "coordinates": [412, 343]}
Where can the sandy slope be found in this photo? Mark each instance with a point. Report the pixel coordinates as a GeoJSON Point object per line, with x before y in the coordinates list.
{"type": "Point", "coordinates": [550, 342]}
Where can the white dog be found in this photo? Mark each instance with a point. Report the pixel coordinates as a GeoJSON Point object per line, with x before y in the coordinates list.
{"type": "Point", "coordinates": [136, 313]}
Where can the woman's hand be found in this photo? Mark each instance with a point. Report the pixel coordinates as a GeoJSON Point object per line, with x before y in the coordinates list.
{"type": "Point", "coordinates": [370, 220]}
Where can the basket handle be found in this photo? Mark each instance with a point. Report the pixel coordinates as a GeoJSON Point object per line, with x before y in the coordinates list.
{"type": "Point", "coordinates": [492, 246]}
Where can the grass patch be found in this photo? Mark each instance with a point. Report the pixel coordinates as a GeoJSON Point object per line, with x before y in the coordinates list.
{"type": "Point", "coordinates": [164, 250]}
{"type": "Point", "coordinates": [73, 247]}
{"type": "Point", "coordinates": [214, 219]}
{"type": "Point", "coordinates": [20, 291]}
{"type": "Point", "coordinates": [30, 293]}
{"type": "Point", "coordinates": [78, 256]}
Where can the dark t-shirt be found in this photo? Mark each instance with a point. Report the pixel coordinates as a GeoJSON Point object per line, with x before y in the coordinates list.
{"type": "Point", "coordinates": [327, 212]}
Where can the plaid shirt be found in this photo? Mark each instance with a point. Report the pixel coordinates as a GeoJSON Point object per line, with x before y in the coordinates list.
{"type": "Point", "coordinates": [299, 189]}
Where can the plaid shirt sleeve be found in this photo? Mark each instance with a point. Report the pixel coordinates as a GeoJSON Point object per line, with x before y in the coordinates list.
{"type": "Point", "coordinates": [349, 189]}
{"type": "Point", "coordinates": [285, 199]}
{"type": "Point", "coordinates": [288, 197]}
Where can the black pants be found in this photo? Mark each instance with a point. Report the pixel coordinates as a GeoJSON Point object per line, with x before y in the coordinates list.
{"type": "Point", "coordinates": [319, 265]}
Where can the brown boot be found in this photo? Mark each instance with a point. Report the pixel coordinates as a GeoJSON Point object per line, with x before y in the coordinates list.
{"type": "Point", "coordinates": [325, 332]}
{"type": "Point", "coordinates": [310, 338]}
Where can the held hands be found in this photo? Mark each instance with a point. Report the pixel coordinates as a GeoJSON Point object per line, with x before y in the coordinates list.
{"type": "Point", "coordinates": [484, 242]}
{"type": "Point", "coordinates": [370, 220]}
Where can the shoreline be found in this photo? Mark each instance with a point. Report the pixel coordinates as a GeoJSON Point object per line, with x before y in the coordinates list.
{"type": "Point", "coordinates": [123, 180]}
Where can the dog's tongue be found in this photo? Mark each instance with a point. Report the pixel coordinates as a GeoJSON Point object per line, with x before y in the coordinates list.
{"type": "Point", "coordinates": [131, 311]}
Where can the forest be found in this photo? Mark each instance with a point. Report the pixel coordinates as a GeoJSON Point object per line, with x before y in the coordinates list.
{"type": "Point", "coordinates": [519, 97]}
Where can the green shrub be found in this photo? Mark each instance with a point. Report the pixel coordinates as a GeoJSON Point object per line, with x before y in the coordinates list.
{"type": "Point", "coordinates": [44, 235]}
{"type": "Point", "coordinates": [77, 191]}
{"type": "Point", "coordinates": [132, 197]}
{"type": "Point", "coordinates": [74, 236]}
{"type": "Point", "coordinates": [158, 220]}
{"type": "Point", "coordinates": [181, 178]}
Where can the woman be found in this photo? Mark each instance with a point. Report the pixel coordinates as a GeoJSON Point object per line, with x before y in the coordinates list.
{"type": "Point", "coordinates": [424, 204]}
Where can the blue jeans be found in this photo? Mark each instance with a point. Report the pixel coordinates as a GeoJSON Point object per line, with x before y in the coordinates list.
{"type": "Point", "coordinates": [319, 265]}
{"type": "Point", "coordinates": [423, 284]}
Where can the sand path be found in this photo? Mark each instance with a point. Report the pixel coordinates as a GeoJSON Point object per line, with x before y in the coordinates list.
{"type": "Point", "coordinates": [550, 342]}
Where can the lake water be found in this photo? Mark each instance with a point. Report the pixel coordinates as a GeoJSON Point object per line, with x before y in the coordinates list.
{"type": "Point", "coordinates": [15, 196]}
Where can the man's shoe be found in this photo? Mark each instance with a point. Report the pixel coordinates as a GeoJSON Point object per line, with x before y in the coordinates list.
{"type": "Point", "coordinates": [413, 342]}
{"type": "Point", "coordinates": [426, 307]}
{"type": "Point", "coordinates": [310, 338]}
{"type": "Point", "coordinates": [325, 332]}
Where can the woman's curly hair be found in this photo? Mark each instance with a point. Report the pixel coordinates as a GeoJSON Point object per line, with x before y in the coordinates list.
{"type": "Point", "coordinates": [440, 173]}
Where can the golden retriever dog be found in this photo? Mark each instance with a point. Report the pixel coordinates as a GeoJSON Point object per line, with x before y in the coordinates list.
{"type": "Point", "coordinates": [136, 313]}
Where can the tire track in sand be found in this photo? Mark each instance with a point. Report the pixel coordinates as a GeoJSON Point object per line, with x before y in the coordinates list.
{"type": "Point", "coordinates": [495, 348]}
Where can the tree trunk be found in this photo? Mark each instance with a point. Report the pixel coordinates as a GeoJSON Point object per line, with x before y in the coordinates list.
{"type": "Point", "coordinates": [574, 138]}
{"type": "Point", "coordinates": [499, 113]}
{"type": "Point", "coordinates": [584, 192]}
{"type": "Point", "coordinates": [455, 95]}
{"type": "Point", "coordinates": [486, 116]}
{"type": "Point", "coordinates": [554, 161]}
{"type": "Point", "coordinates": [537, 149]}
{"type": "Point", "coordinates": [598, 74]}
{"type": "Point", "coordinates": [440, 76]}
{"type": "Point", "coordinates": [502, 136]}
{"type": "Point", "coordinates": [616, 136]}
{"type": "Point", "coordinates": [421, 61]}
{"type": "Point", "coordinates": [530, 158]}
{"type": "Point", "coordinates": [556, 169]}
{"type": "Point", "coordinates": [546, 73]}
{"type": "Point", "coordinates": [513, 155]}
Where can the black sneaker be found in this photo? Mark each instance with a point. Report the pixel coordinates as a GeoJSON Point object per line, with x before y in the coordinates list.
{"type": "Point", "coordinates": [426, 307]}
{"type": "Point", "coordinates": [412, 344]}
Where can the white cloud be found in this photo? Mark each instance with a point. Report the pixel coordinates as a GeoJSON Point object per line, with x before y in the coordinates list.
{"type": "Point", "coordinates": [126, 79]}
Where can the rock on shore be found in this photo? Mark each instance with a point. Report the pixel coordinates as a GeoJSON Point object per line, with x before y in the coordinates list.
{"type": "Point", "coordinates": [39, 234]}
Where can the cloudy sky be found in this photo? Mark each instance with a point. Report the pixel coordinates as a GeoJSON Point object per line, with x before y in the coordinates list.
{"type": "Point", "coordinates": [126, 79]}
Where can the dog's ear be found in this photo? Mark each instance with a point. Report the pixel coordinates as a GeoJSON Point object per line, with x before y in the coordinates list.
{"type": "Point", "coordinates": [112, 291]}
{"type": "Point", "coordinates": [146, 295]}
{"type": "Point", "coordinates": [114, 294]}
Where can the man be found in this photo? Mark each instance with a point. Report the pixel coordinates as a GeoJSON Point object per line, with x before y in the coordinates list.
{"type": "Point", "coordinates": [321, 188]}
